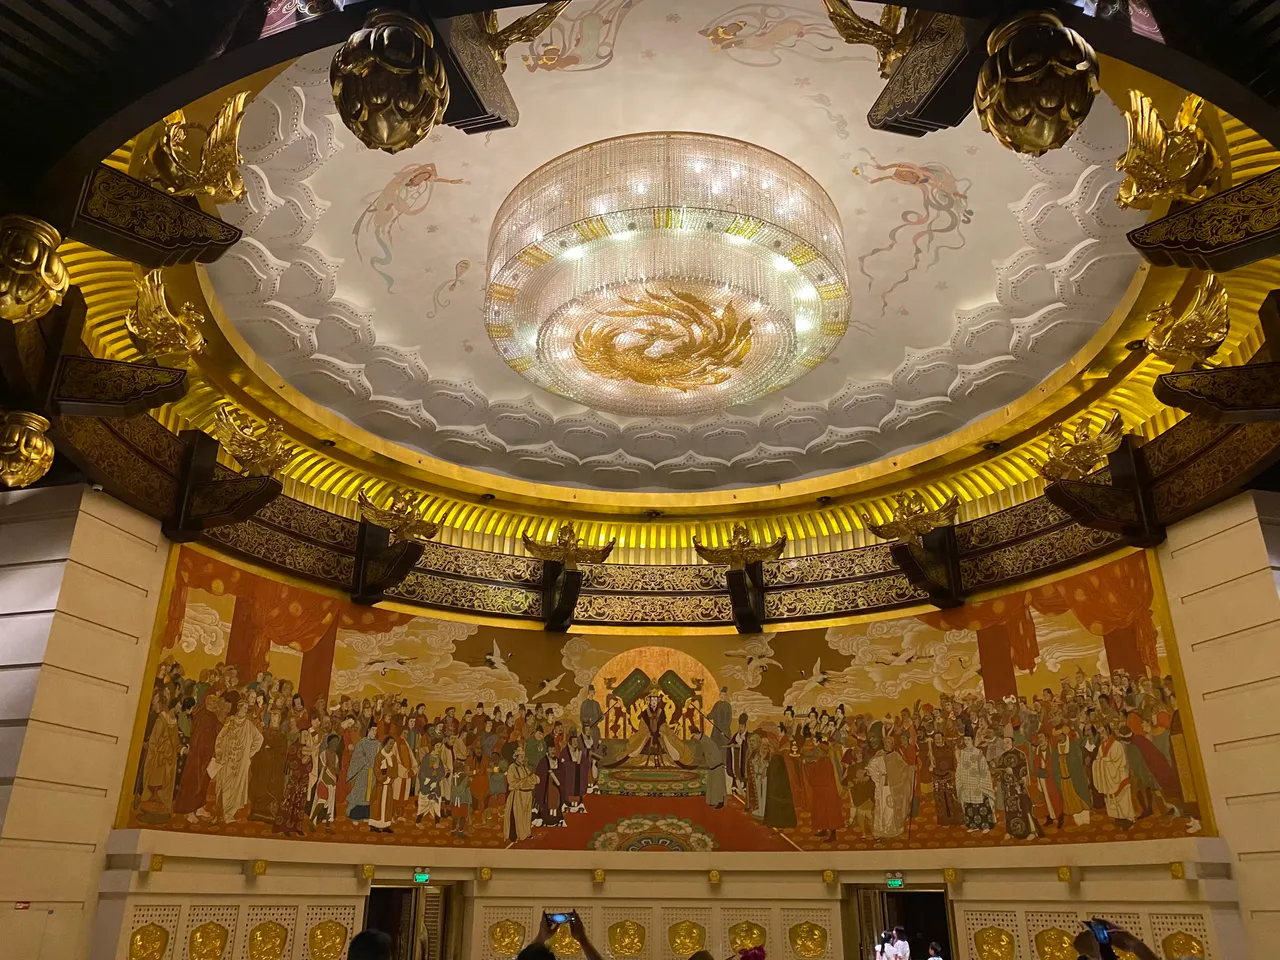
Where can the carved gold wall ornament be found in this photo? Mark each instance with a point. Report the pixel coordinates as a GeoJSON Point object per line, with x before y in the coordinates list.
{"type": "Point", "coordinates": [703, 346]}
{"type": "Point", "coordinates": [1188, 339]}
{"type": "Point", "coordinates": [525, 29]}
{"type": "Point", "coordinates": [1163, 162]}
{"type": "Point", "coordinates": [912, 518]}
{"type": "Point", "coordinates": [745, 935]}
{"type": "Point", "coordinates": [267, 941]}
{"type": "Point", "coordinates": [260, 448]}
{"type": "Point", "coordinates": [892, 37]}
{"type": "Point", "coordinates": [389, 83]}
{"type": "Point", "coordinates": [208, 941]}
{"type": "Point", "coordinates": [156, 331]}
{"type": "Point", "coordinates": [26, 454]}
{"type": "Point", "coordinates": [1074, 458]}
{"type": "Point", "coordinates": [33, 278]}
{"type": "Point", "coordinates": [1181, 944]}
{"type": "Point", "coordinates": [258, 868]}
{"type": "Point", "coordinates": [148, 942]}
{"type": "Point", "coordinates": [1055, 944]}
{"type": "Point", "coordinates": [808, 940]}
{"type": "Point", "coordinates": [597, 875]}
{"type": "Point", "coordinates": [1064, 874]}
{"type": "Point", "coordinates": [626, 938]}
{"type": "Point", "coordinates": [209, 167]}
{"type": "Point", "coordinates": [568, 549]}
{"type": "Point", "coordinates": [156, 863]}
{"type": "Point", "coordinates": [1037, 85]}
{"type": "Point", "coordinates": [368, 871]}
{"type": "Point", "coordinates": [327, 940]}
{"type": "Point", "coordinates": [1178, 870]}
{"type": "Point", "coordinates": [686, 938]}
{"type": "Point", "coordinates": [740, 549]}
{"type": "Point", "coordinates": [506, 937]}
{"type": "Point", "coordinates": [403, 516]}
{"type": "Point", "coordinates": [950, 875]}
{"type": "Point", "coordinates": [993, 943]}
{"type": "Point", "coordinates": [713, 877]}
{"type": "Point", "coordinates": [829, 876]}
{"type": "Point", "coordinates": [485, 874]}
{"type": "Point", "coordinates": [563, 943]}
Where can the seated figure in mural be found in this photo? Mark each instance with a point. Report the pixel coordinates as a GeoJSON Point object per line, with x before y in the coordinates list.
{"type": "Point", "coordinates": [654, 743]}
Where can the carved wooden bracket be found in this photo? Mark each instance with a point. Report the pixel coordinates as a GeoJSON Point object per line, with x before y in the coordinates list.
{"type": "Point", "coordinates": [1124, 505]}
{"type": "Point", "coordinates": [932, 86]}
{"type": "Point", "coordinates": [379, 563]}
{"type": "Point", "coordinates": [933, 565]}
{"type": "Point", "coordinates": [1231, 229]}
{"type": "Point", "coordinates": [202, 502]}
{"type": "Point", "coordinates": [746, 597]}
{"type": "Point", "coordinates": [133, 220]}
{"type": "Point", "coordinates": [560, 590]}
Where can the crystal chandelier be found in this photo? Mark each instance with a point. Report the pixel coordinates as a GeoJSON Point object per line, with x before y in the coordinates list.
{"type": "Point", "coordinates": [666, 274]}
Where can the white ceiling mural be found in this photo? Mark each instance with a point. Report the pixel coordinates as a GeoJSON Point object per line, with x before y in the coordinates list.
{"type": "Point", "coordinates": [974, 273]}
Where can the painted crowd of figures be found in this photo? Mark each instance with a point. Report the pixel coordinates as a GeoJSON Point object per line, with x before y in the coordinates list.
{"type": "Point", "coordinates": [218, 751]}
{"type": "Point", "coordinates": [1102, 746]}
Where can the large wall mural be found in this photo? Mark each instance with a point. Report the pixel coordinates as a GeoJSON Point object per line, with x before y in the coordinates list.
{"type": "Point", "coordinates": [1048, 715]}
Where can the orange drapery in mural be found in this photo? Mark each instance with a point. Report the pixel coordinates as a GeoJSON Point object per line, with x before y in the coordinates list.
{"type": "Point", "coordinates": [266, 612]}
{"type": "Point", "coordinates": [1006, 639]}
{"type": "Point", "coordinates": [1112, 602]}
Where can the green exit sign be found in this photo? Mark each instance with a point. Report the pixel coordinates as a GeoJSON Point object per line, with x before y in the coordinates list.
{"type": "Point", "coordinates": [421, 876]}
{"type": "Point", "coordinates": [893, 881]}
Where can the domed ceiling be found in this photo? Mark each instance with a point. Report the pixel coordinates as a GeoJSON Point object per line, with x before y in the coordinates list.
{"type": "Point", "coordinates": [972, 273]}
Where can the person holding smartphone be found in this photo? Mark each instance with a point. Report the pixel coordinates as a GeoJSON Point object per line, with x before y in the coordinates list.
{"type": "Point", "coordinates": [538, 950]}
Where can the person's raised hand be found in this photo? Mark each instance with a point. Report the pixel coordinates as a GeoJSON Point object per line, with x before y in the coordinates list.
{"type": "Point", "coordinates": [576, 927]}
{"type": "Point", "coordinates": [545, 929]}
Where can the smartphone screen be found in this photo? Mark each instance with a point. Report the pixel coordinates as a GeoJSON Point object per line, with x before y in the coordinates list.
{"type": "Point", "coordinates": [1099, 931]}
{"type": "Point", "coordinates": [558, 917]}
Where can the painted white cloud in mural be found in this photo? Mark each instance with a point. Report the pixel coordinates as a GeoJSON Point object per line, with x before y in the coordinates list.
{"type": "Point", "coordinates": [755, 705]}
{"type": "Point", "coordinates": [753, 659]}
{"type": "Point", "coordinates": [889, 658]}
{"type": "Point", "coordinates": [583, 660]}
{"type": "Point", "coordinates": [203, 627]}
{"type": "Point", "coordinates": [417, 658]}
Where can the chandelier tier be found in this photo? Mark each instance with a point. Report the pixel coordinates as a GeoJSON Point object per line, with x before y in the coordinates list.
{"type": "Point", "coordinates": [666, 274]}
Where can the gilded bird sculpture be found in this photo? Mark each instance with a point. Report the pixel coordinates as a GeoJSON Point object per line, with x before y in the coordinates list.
{"type": "Point", "coordinates": [1163, 162]}
{"type": "Point", "coordinates": [207, 164]}
{"type": "Point", "coordinates": [912, 518]}
{"type": "Point", "coordinates": [261, 448]}
{"type": "Point", "coordinates": [1073, 459]}
{"type": "Point", "coordinates": [740, 550]}
{"type": "Point", "coordinates": [156, 331]}
{"type": "Point", "coordinates": [524, 29]}
{"type": "Point", "coordinates": [892, 37]}
{"type": "Point", "coordinates": [568, 548]}
{"type": "Point", "coordinates": [403, 516]}
{"type": "Point", "coordinates": [1188, 339]}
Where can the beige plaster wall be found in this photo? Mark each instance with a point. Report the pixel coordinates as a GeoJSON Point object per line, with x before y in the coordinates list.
{"type": "Point", "coordinates": [1220, 570]}
{"type": "Point", "coordinates": [80, 575]}
{"type": "Point", "coordinates": [1015, 888]}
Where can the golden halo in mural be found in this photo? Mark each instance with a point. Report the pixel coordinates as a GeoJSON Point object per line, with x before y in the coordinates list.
{"type": "Point", "coordinates": [666, 274]}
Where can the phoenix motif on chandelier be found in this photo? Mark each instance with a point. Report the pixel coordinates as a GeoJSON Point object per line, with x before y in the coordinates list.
{"type": "Point", "coordinates": [678, 340]}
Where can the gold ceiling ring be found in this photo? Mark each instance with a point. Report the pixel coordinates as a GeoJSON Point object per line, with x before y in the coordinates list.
{"type": "Point", "coordinates": [338, 459]}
